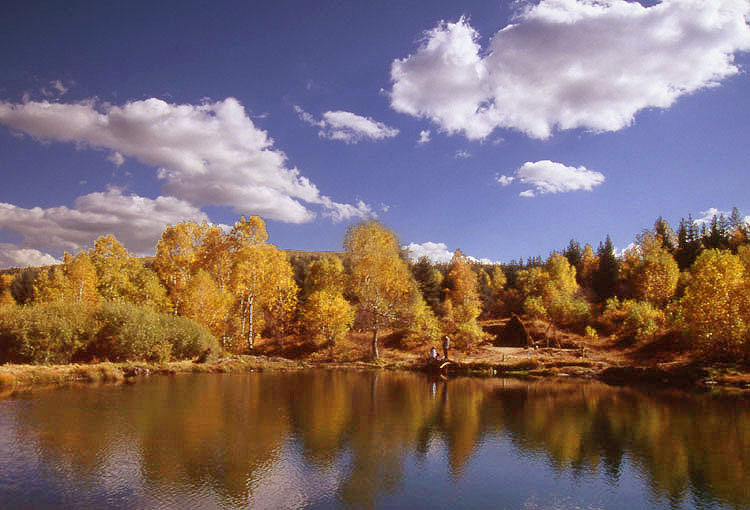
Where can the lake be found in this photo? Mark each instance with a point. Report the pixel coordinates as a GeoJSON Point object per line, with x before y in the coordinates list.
{"type": "Point", "coordinates": [367, 439]}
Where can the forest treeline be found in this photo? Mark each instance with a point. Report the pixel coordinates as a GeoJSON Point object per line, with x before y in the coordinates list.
{"type": "Point", "coordinates": [208, 289]}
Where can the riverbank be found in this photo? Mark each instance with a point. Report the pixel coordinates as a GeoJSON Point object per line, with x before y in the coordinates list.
{"type": "Point", "coordinates": [535, 363]}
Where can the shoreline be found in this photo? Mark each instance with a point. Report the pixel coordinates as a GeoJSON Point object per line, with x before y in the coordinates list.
{"type": "Point", "coordinates": [17, 379]}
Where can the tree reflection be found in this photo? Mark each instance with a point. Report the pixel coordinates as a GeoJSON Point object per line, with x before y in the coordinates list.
{"type": "Point", "coordinates": [228, 432]}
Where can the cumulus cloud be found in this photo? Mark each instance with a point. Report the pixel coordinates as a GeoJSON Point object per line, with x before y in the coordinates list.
{"type": "Point", "coordinates": [347, 127]}
{"type": "Point", "coordinates": [708, 215]}
{"type": "Point", "coordinates": [344, 212]}
{"type": "Point", "coordinates": [527, 194]}
{"type": "Point", "coordinates": [438, 253]}
{"type": "Point", "coordinates": [569, 64]}
{"type": "Point", "coordinates": [16, 256]}
{"type": "Point", "coordinates": [505, 180]}
{"type": "Point", "coordinates": [206, 154]}
{"type": "Point", "coordinates": [136, 221]}
{"type": "Point", "coordinates": [424, 137]}
{"type": "Point", "coordinates": [551, 177]}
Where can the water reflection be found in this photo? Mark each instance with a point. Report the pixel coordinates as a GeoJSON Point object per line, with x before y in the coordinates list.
{"type": "Point", "coordinates": [366, 439]}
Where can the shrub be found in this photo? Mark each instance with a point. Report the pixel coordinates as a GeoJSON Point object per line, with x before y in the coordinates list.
{"type": "Point", "coordinates": [630, 318]}
{"type": "Point", "coordinates": [568, 311]}
{"type": "Point", "coordinates": [129, 332]}
{"type": "Point", "coordinates": [591, 333]}
{"type": "Point", "coordinates": [45, 333]}
{"type": "Point", "coordinates": [186, 337]}
{"type": "Point", "coordinates": [642, 320]}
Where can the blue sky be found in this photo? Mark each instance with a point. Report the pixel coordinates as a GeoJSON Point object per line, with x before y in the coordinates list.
{"type": "Point", "coordinates": [441, 120]}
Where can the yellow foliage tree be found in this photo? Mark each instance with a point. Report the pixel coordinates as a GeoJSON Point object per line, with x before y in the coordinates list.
{"type": "Point", "coordinates": [206, 304]}
{"type": "Point", "coordinates": [80, 276]}
{"type": "Point", "coordinates": [589, 265]}
{"type": "Point", "coordinates": [216, 256]}
{"type": "Point", "coordinates": [116, 269]}
{"type": "Point", "coordinates": [650, 270]}
{"type": "Point", "coordinates": [463, 305]}
{"type": "Point", "coordinates": [281, 304]}
{"type": "Point", "coordinates": [380, 279]}
{"type": "Point", "coordinates": [176, 259]}
{"type": "Point", "coordinates": [716, 304]}
{"type": "Point", "coordinates": [149, 292]}
{"type": "Point", "coordinates": [328, 316]}
{"type": "Point", "coordinates": [326, 273]}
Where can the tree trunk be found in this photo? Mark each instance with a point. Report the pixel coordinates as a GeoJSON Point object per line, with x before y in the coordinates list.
{"type": "Point", "coordinates": [375, 344]}
{"type": "Point", "coordinates": [330, 346]}
{"type": "Point", "coordinates": [250, 325]}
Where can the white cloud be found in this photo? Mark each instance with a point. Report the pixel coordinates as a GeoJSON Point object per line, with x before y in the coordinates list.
{"type": "Point", "coordinates": [345, 212]}
{"type": "Point", "coordinates": [570, 64]}
{"type": "Point", "coordinates": [206, 154]}
{"type": "Point", "coordinates": [116, 159]}
{"type": "Point", "coordinates": [15, 256]}
{"type": "Point", "coordinates": [527, 194]}
{"type": "Point", "coordinates": [347, 127]}
{"type": "Point", "coordinates": [550, 177]}
{"type": "Point", "coordinates": [136, 221]}
{"type": "Point", "coordinates": [708, 215]}
{"type": "Point", "coordinates": [438, 253]}
{"type": "Point", "coordinates": [505, 180]}
{"type": "Point", "coordinates": [424, 137]}
{"type": "Point", "coordinates": [463, 154]}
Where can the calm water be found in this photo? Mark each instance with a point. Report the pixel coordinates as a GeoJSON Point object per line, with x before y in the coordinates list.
{"type": "Point", "coordinates": [341, 439]}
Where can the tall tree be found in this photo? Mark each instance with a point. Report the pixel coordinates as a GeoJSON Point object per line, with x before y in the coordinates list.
{"type": "Point", "coordinates": [649, 270]}
{"type": "Point", "coordinates": [176, 259]}
{"type": "Point", "coordinates": [380, 279]}
{"type": "Point", "coordinates": [462, 303]}
{"type": "Point", "coordinates": [716, 304]}
{"type": "Point", "coordinates": [116, 269]}
{"type": "Point", "coordinates": [604, 279]}
{"type": "Point", "coordinates": [428, 279]}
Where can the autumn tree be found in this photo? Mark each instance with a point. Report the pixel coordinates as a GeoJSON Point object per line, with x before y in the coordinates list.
{"type": "Point", "coordinates": [74, 281]}
{"type": "Point", "coordinates": [328, 315]}
{"type": "Point", "coordinates": [262, 281]}
{"type": "Point", "coordinates": [587, 267]}
{"type": "Point", "coordinates": [177, 258]}
{"type": "Point", "coordinates": [206, 303]}
{"type": "Point", "coordinates": [552, 292]}
{"type": "Point", "coordinates": [282, 303]}
{"type": "Point", "coordinates": [462, 303]}
{"type": "Point", "coordinates": [149, 292]}
{"type": "Point", "coordinates": [116, 269]}
{"type": "Point", "coordinates": [326, 273]}
{"type": "Point", "coordinates": [649, 270]}
{"type": "Point", "coordinates": [716, 304]}
{"type": "Point", "coordinates": [380, 279]}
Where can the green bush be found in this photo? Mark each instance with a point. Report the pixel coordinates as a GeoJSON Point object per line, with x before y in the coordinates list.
{"type": "Point", "coordinates": [636, 319]}
{"type": "Point", "coordinates": [45, 333]}
{"type": "Point", "coordinates": [129, 332]}
{"type": "Point", "coordinates": [569, 312]}
{"type": "Point", "coordinates": [187, 338]}
{"type": "Point", "coordinates": [63, 332]}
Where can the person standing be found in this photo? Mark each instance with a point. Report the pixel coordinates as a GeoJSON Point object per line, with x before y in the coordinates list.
{"type": "Point", "coordinates": [446, 346]}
